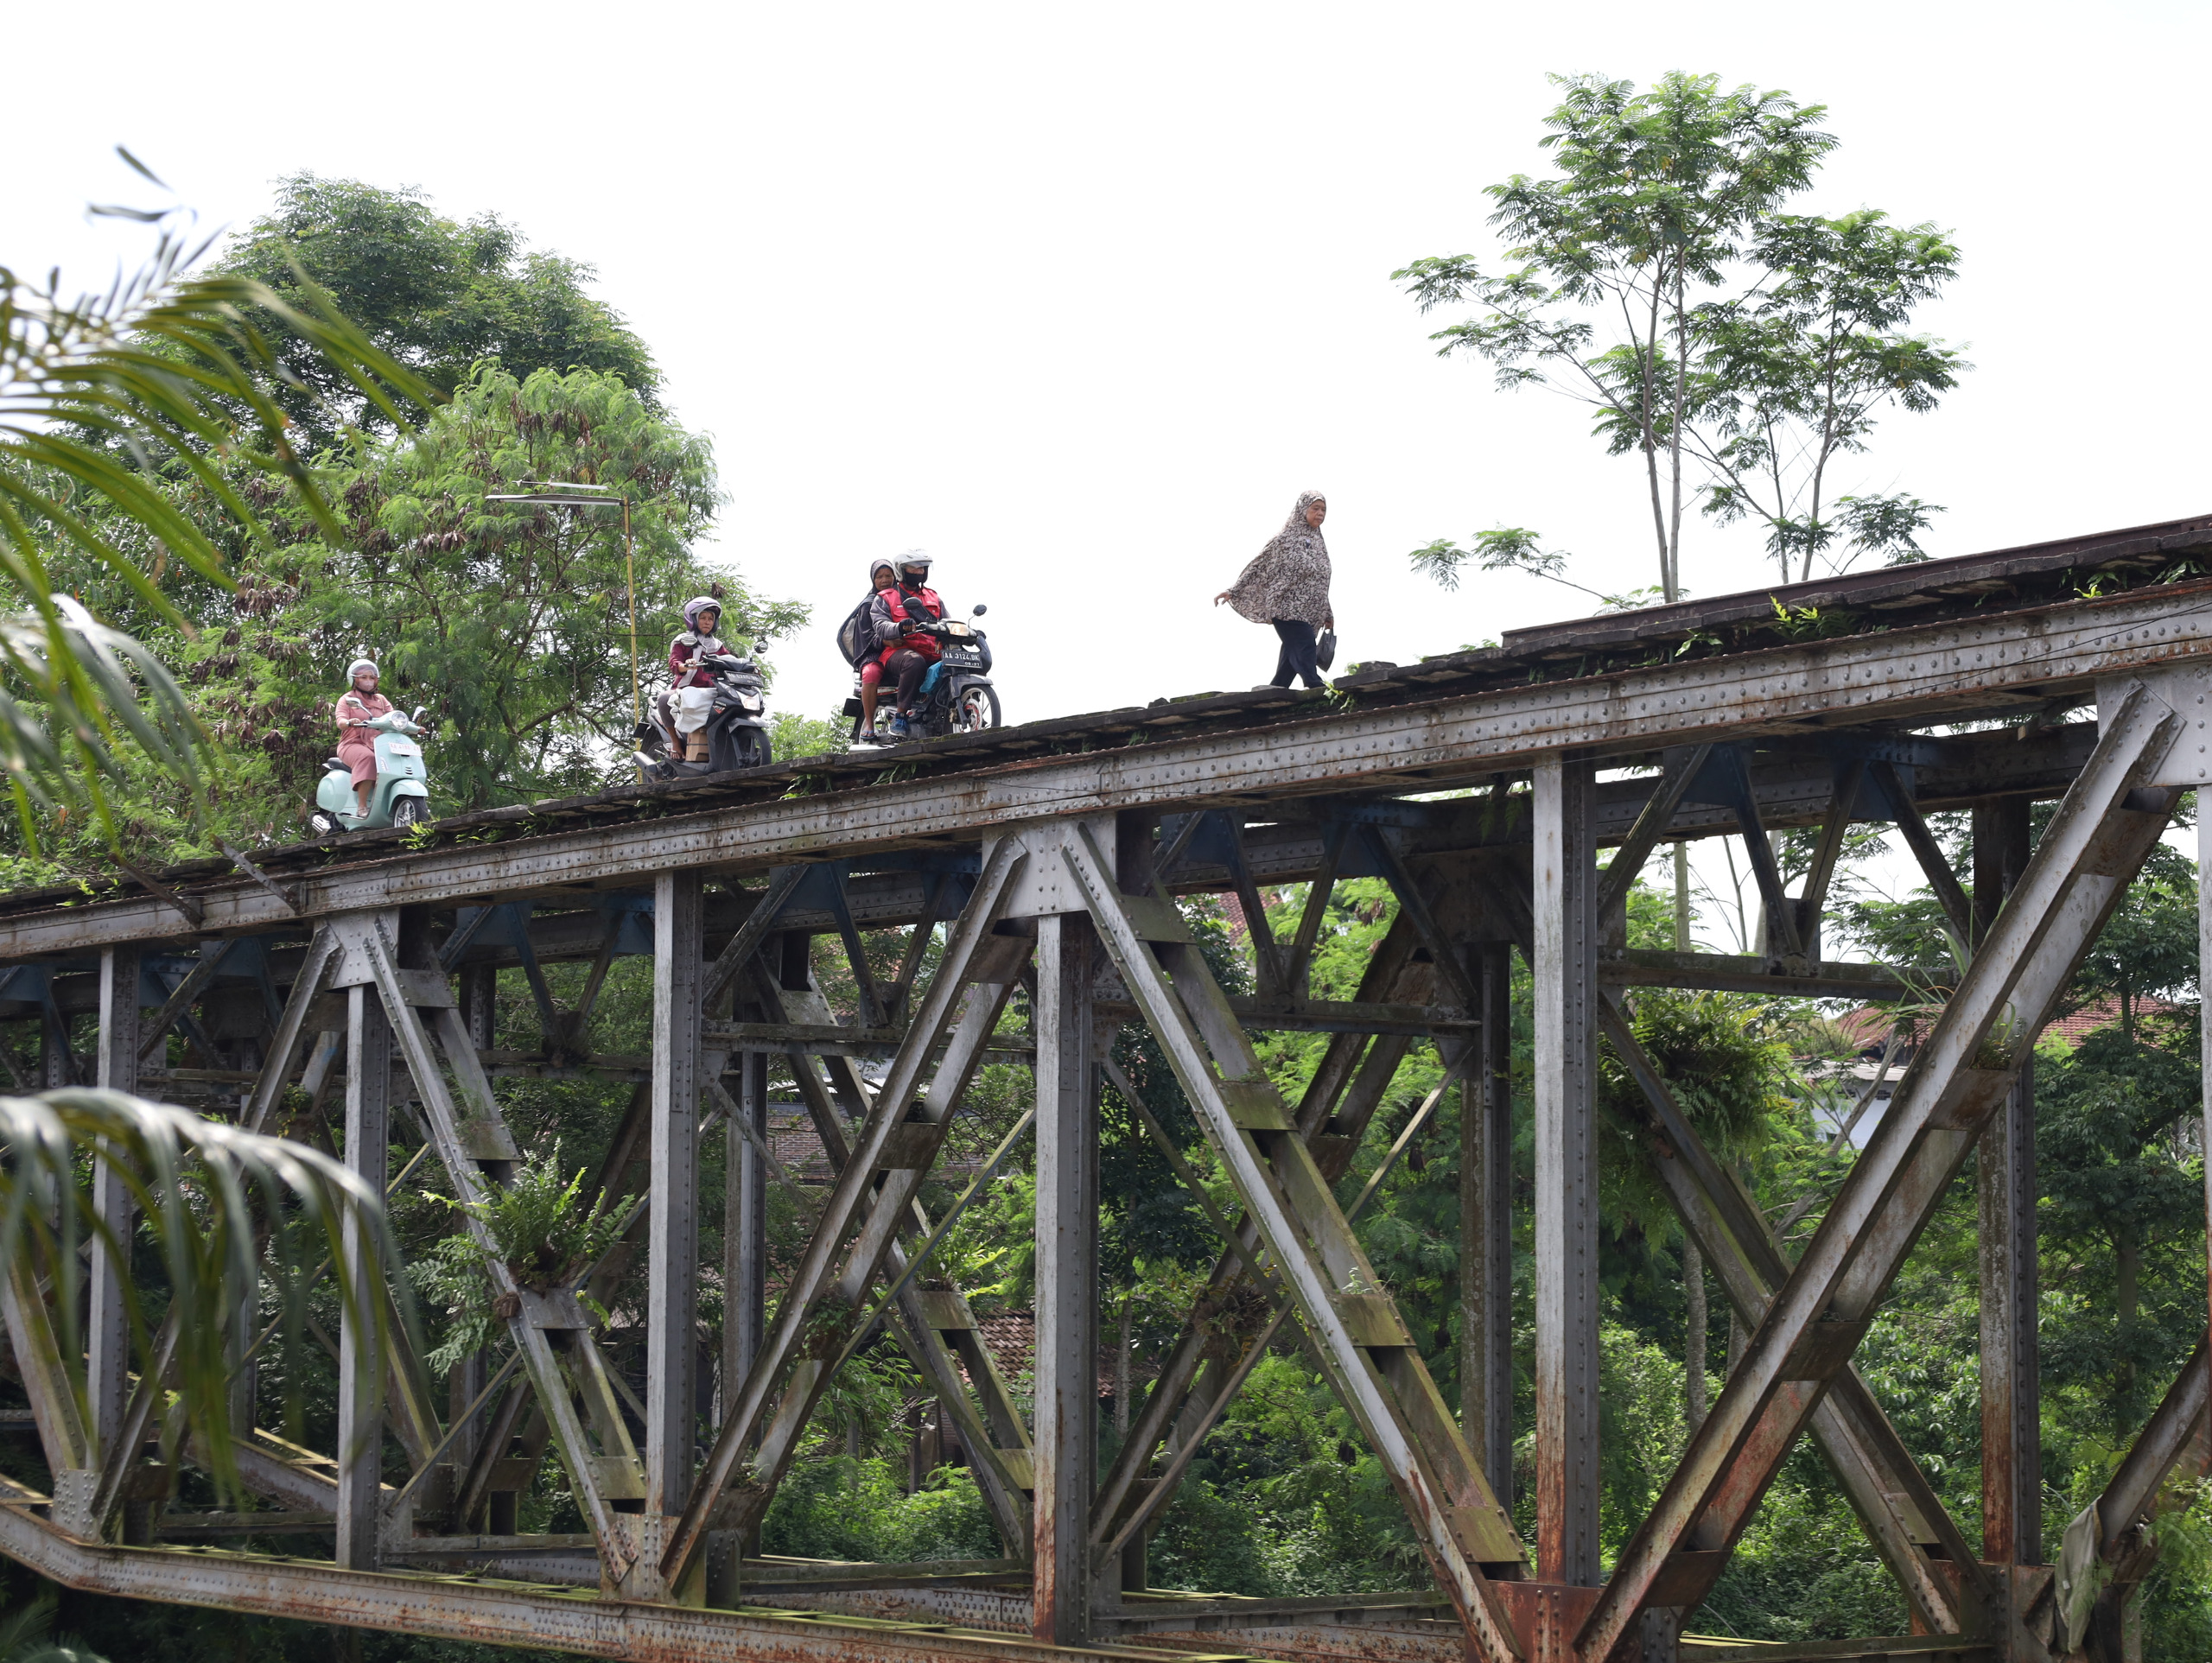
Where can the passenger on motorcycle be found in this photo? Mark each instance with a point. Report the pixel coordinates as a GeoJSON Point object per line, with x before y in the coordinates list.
{"type": "Point", "coordinates": [880, 576]}
{"type": "Point", "coordinates": [701, 615]}
{"type": "Point", "coordinates": [357, 747]}
{"type": "Point", "coordinates": [906, 651]}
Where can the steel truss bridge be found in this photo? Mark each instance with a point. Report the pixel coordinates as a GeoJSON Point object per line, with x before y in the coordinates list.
{"type": "Point", "coordinates": [2074, 672]}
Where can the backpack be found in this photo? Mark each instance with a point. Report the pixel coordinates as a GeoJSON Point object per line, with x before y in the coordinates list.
{"type": "Point", "coordinates": [856, 635]}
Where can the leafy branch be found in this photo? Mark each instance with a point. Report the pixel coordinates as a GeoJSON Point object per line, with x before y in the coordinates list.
{"type": "Point", "coordinates": [1515, 548]}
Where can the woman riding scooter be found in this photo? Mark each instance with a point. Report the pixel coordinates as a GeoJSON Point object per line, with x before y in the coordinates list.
{"type": "Point", "coordinates": [358, 706]}
{"type": "Point", "coordinates": [702, 615]}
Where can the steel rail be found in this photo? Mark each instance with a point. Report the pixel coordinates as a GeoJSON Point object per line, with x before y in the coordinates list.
{"type": "Point", "coordinates": [505, 1613]}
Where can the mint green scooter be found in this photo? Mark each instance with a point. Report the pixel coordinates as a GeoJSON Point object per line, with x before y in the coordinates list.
{"type": "Point", "coordinates": [400, 797]}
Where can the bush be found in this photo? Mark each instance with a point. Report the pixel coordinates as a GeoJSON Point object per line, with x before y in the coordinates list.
{"type": "Point", "coordinates": [841, 1508]}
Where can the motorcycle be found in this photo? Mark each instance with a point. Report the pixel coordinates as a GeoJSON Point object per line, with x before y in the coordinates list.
{"type": "Point", "coordinates": [399, 798]}
{"type": "Point", "coordinates": [730, 709]}
{"type": "Point", "coordinates": [956, 695]}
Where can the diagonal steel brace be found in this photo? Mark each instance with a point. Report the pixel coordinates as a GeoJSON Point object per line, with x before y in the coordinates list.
{"type": "Point", "coordinates": [836, 1263]}
{"type": "Point", "coordinates": [1358, 1334]}
{"type": "Point", "coordinates": [2091, 849]}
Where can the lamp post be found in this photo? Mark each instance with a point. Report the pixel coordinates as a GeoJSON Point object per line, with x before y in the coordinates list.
{"type": "Point", "coordinates": [560, 493]}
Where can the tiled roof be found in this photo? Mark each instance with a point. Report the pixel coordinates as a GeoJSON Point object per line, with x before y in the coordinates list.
{"type": "Point", "coordinates": [1010, 1336]}
{"type": "Point", "coordinates": [1868, 1027]}
{"type": "Point", "coordinates": [792, 1136]}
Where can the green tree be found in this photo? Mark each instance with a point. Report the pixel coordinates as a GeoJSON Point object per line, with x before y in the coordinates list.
{"type": "Point", "coordinates": [510, 621]}
{"type": "Point", "coordinates": [1792, 373]}
{"type": "Point", "coordinates": [107, 404]}
{"type": "Point", "coordinates": [1737, 343]}
{"type": "Point", "coordinates": [439, 295]}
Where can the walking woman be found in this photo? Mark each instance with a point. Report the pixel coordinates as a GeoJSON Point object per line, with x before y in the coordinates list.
{"type": "Point", "coordinates": [1287, 585]}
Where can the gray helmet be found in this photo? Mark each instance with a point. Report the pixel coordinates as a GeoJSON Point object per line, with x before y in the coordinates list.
{"type": "Point", "coordinates": [915, 558]}
{"type": "Point", "coordinates": [360, 665]}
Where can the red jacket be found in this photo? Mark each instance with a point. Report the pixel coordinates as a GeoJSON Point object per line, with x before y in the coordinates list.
{"type": "Point", "coordinates": [892, 621]}
{"type": "Point", "coordinates": [682, 653]}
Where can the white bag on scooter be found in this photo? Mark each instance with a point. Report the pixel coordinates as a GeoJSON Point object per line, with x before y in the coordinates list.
{"type": "Point", "coordinates": [693, 706]}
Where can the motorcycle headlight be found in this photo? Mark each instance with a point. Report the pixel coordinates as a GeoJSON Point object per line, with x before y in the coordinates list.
{"type": "Point", "coordinates": [751, 703]}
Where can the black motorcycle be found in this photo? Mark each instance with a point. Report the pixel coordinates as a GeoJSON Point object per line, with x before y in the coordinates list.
{"type": "Point", "coordinates": [737, 730]}
{"type": "Point", "coordinates": [956, 695]}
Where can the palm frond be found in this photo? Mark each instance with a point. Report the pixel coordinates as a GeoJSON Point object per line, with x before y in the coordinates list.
{"type": "Point", "coordinates": [211, 1196]}
{"type": "Point", "coordinates": [108, 405]}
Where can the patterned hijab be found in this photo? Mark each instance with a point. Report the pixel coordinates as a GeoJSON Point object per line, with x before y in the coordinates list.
{"type": "Point", "coordinates": [1289, 578]}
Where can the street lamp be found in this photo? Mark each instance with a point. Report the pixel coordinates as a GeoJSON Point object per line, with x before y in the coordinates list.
{"type": "Point", "coordinates": [561, 493]}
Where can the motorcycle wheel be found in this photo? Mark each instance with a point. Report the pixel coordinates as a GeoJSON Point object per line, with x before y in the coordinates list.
{"type": "Point", "coordinates": [753, 750]}
{"type": "Point", "coordinates": [322, 825]}
{"type": "Point", "coordinates": [978, 710]}
{"type": "Point", "coordinates": [406, 811]}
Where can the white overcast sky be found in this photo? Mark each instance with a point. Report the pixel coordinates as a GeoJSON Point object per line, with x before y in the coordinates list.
{"type": "Point", "coordinates": [1080, 298]}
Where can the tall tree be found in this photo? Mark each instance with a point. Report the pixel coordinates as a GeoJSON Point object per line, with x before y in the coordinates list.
{"type": "Point", "coordinates": [1794, 371]}
{"type": "Point", "coordinates": [109, 404]}
{"type": "Point", "coordinates": [1736, 349]}
{"type": "Point", "coordinates": [510, 621]}
{"type": "Point", "coordinates": [438, 295]}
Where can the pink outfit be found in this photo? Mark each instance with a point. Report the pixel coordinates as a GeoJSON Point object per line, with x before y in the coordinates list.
{"type": "Point", "coordinates": [356, 748]}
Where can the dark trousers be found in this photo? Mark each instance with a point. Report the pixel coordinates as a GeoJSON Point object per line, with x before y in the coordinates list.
{"type": "Point", "coordinates": [908, 668]}
{"type": "Point", "coordinates": [1296, 657]}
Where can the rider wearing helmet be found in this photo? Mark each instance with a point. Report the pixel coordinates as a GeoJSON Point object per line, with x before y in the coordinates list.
{"type": "Point", "coordinates": [703, 614]}
{"type": "Point", "coordinates": [881, 575]}
{"type": "Point", "coordinates": [906, 652]}
{"type": "Point", "coordinates": [359, 704]}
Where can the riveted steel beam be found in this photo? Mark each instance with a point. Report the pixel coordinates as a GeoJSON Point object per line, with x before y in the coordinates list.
{"type": "Point", "coordinates": [1358, 1335]}
{"type": "Point", "coordinates": [973, 980]}
{"type": "Point", "coordinates": [935, 1328]}
{"type": "Point", "coordinates": [2091, 849]}
{"type": "Point", "coordinates": [1903, 1515]}
{"type": "Point", "coordinates": [477, 1152]}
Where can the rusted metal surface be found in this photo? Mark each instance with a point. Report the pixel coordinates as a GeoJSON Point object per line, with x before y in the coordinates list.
{"type": "Point", "coordinates": [1358, 1337]}
{"type": "Point", "coordinates": [1565, 963]}
{"type": "Point", "coordinates": [2091, 850]}
{"type": "Point", "coordinates": [831, 1265]}
{"type": "Point", "coordinates": [492, 1613]}
{"type": "Point", "coordinates": [2011, 1414]}
{"type": "Point", "coordinates": [1896, 1504]}
{"type": "Point", "coordinates": [1066, 1415]}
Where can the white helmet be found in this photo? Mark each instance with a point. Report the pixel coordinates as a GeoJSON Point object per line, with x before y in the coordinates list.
{"type": "Point", "coordinates": [916, 558]}
{"type": "Point", "coordinates": [359, 665]}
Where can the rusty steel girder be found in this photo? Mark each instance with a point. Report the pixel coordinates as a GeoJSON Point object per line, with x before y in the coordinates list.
{"type": "Point", "coordinates": [2091, 849]}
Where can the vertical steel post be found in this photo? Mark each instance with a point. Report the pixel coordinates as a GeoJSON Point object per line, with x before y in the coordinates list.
{"type": "Point", "coordinates": [53, 1070]}
{"type": "Point", "coordinates": [1067, 1281]}
{"type": "Point", "coordinates": [2205, 957]}
{"type": "Point", "coordinates": [672, 1246]}
{"type": "Point", "coordinates": [360, 1407]}
{"type": "Point", "coordinates": [108, 1341]}
{"type": "Point", "coordinates": [745, 1227]}
{"type": "Point", "coordinates": [1567, 1171]}
{"type": "Point", "coordinates": [480, 993]}
{"type": "Point", "coordinates": [2011, 1450]}
{"type": "Point", "coordinates": [1486, 1227]}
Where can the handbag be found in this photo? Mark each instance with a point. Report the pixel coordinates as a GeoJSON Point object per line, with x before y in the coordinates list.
{"type": "Point", "coordinates": [1324, 649]}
